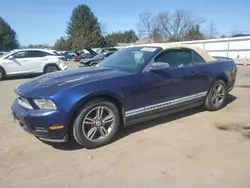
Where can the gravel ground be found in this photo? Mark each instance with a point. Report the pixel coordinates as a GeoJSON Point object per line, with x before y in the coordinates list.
{"type": "Point", "coordinates": [192, 149]}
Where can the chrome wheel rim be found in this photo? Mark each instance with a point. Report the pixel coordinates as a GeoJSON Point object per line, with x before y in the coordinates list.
{"type": "Point", "coordinates": [218, 95]}
{"type": "Point", "coordinates": [51, 69]}
{"type": "Point", "coordinates": [98, 124]}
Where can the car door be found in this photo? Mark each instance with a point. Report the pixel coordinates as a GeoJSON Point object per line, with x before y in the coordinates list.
{"type": "Point", "coordinates": [203, 72]}
{"type": "Point", "coordinates": [34, 61]}
{"type": "Point", "coordinates": [15, 63]}
{"type": "Point", "coordinates": [177, 83]}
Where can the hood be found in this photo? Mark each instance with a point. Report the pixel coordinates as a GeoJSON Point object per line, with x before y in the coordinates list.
{"type": "Point", "coordinates": [86, 60]}
{"type": "Point", "coordinates": [49, 84]}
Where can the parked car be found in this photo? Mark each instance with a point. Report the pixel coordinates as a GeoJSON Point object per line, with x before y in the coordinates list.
{"type": "Point", "coordinates": [3, 53]}
{"type": "Point", "coordinates": [134, 84]}
{"type": "Point", "coordinates": [27, 61]}
{"type": "Point", "coordinates": [107, 49]}
{"type": "Point", "coordinates": [86, 53]}
{"type": "Point", "coordinates": [95, 60]}
{"type": "Point", "coordinates": [83, 56]}
{"type": "Point", "coordinates": [68, 55]}
{"type": "Point", "coordinates": [241, 35]}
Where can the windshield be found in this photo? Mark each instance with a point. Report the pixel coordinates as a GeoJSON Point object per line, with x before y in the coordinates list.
{"type": "Point", "coordinates": [130, 58]}
{"type": "Point", "coordinates": [7, 53]}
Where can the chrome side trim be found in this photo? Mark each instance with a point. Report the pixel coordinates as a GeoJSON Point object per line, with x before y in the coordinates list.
{"type": "Point", "coordinates": [134, 112]}
{"type": "Point", "coordinates": [164, 104]}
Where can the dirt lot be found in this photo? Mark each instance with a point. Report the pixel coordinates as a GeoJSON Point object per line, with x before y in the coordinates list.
{"type": "Point", "coordinates": [190, 150]}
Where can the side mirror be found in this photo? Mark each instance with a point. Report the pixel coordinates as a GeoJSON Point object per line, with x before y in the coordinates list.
{"type": "Point", "coordinates": [10, 57]}
{"type": "Point", "coordinates": [159, 66]}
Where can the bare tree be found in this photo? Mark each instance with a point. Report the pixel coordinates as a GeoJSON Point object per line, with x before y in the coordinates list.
{"type": "Point", "coordinates": [212, 31]}
{"type": "Point", "coordinates": [168, 26]}
{"type": "Point", "coordinates": [176, 25]}
{"type": "Point", "coordinates": [103, 27]}
{"type": "Point", "coordinates": [149, 27]}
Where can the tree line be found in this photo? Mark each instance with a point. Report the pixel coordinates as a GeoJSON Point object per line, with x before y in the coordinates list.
{"type": "Point", "coordinates": [85, 31]}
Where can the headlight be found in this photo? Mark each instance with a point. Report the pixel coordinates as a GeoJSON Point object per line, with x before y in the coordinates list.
{"type": "Point", "coordinates": [45, 104]}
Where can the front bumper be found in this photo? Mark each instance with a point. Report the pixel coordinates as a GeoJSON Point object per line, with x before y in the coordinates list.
{"type": "Point", "coordinates": [38, 122]}
{"type": "Point", "coordinates": [62, 66]}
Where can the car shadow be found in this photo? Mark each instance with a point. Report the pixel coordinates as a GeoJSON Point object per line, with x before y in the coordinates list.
{"type": "Point", "coordinates": [142, 126]}
{"type": "Point", "coordinates": [19, 77]}
{"type": "Point", "coordinates": [167, 119]}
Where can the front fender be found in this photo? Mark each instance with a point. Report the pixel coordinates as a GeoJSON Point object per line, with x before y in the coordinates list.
{"type": "Point", "coordinates": [69, 101]}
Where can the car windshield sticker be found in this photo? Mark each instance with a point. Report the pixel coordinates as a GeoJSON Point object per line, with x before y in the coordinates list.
{"type": "Point", "coordinates": [146, 49]}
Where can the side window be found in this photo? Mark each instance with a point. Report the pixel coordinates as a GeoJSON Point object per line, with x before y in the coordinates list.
{"type": "Point", "coordinates": [198, 59]}
{"type": "Point", "coordinates": [21, 54]}
{"type": "Point", "coordinates": [34, 53]}
{"type": "Point", "coordinates": [176, 58]}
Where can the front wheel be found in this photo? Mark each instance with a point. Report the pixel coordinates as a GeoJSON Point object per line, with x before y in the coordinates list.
{"type": "Point", "coordinates": [216, 97]}
{"type": "Point", "coordinates": [96, 124]}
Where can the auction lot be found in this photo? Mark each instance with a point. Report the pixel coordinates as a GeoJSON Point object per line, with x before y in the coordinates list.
{"type": "Point", "coordinates": [192, 149]}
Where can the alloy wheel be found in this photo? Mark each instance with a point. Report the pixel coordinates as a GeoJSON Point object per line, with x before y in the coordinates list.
{"type": "Point", "coordinates": [218, 94]}
{"type": "Point", "coordinates": [51, 69]}
{"type": "Point", "coordinates": [98, 124]}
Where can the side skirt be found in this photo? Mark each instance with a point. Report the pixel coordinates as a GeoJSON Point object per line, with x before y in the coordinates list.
{"type": "Point", "coordinates": [145, 116]}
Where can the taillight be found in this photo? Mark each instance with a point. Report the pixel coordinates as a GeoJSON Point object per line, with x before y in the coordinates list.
{"type": "Point", "coordinates": [62, 58]}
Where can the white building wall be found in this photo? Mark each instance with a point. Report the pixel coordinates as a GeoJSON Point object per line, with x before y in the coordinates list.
{"type": "Point", "coordinates": [236, 47]}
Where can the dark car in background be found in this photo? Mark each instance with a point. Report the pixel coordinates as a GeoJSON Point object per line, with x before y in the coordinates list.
{"type": "Point", "coordinates": [96, 59]}
{"type": "Point", "coordinates": [83, 55]}
{"type": "Point", "coordinates": [69, 55]}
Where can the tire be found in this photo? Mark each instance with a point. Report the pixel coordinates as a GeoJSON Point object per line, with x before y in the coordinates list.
{"type": "Point", "coordinates": [50, 68]}
{"type": "Point", "coordinates": [217, 96]}
{"type": "Point", "coordinates": [96, 133]}
{"type": "Point", "coordinates": [93, 64]}
{"type": "Point", "coordinates": [2, 73]}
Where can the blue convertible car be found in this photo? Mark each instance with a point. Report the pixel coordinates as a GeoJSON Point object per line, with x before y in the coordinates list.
{"type": "Point", "coordinates": [137, 83]}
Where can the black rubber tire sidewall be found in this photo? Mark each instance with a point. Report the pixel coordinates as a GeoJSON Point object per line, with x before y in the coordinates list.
{"type": "Point", "coordinates": [1, 74]}
{"type": "Point", "coordinates": [77, 127]}
{"type": "Point", "coordinates": [93, 64]}
{"type": "Point", "coordinates": [208, 103]}
{"type": "Point", "coordinates": [45, 70]}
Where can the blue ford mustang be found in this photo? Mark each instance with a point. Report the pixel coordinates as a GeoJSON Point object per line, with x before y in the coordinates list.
{"type": "Point", "coordinates": [137, 83]}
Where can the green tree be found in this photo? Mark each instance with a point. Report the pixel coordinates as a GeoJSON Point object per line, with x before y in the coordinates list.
{"type": "Point", "coordinates": [121, 37]}
{"type": "Point", "coordinates": [84, 29]}
{"type": "Point", "coordinates": [194, 33]}
{"type": "Point", "coordinates": [62, 44]}
{"type": "Point", "coordinates": [130, 36]}
{"type": "Point", "coordinates": [8, 38]}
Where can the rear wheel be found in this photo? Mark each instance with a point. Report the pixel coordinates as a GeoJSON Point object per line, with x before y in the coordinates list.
{"type": "Point", "coordinates": [96, 124]}
{"type": "Point", "coordinates": [50, 68]}
{"type": "Point", "coordinates": [216, 97]}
